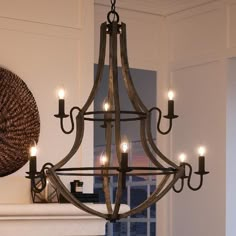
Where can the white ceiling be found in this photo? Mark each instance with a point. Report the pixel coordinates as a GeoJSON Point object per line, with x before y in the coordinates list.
{"type": "Point", "coordinates": [160, 7]}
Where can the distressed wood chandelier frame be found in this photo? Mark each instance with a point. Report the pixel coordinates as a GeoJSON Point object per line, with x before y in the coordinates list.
{"type": "Point", "coordinates": [112, 120]}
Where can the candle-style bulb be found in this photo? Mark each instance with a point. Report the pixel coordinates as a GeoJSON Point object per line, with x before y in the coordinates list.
{"type": "Point", "coordinates": [61, 93]}
{"type": "Point", "coordinates": [124, 161]}
{"type": "Point", "coordinates": [201, 161]}
{"type": "Point", "coordinates": [103, 160]}
{"type": "Point", "coordinates": [182, 157]}
{"type": "Point", "coordinates": [171, 113]}
{"type": "Point", "coordinates": [201, 151]}
{"type": "Point", "coordinates": [106, 106]}
{"type": "Point", "coordinates": [61, 104]}
{"type": "Point", "coordinates": [33, 161]}
{"type": "Point", "coordinates": [124, 147]}
{"type": "Point", "coordinates": [171, 95]}
{"type": "Point", "coordinates": [33, 151]}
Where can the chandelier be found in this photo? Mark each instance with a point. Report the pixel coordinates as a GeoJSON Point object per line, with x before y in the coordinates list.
{"type": "Point", "coordinates": [111, 118]}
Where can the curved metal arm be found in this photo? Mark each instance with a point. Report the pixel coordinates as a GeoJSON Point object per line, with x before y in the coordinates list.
{"type": "Point", "coordinates": [34, 182]}
{"type": "Point", "coordinates": [40, 177]}
{"type": "Point", "coordinates": [190, 176]}
{"type": "Point", "coordinates": [71, 119]}
{"type": "Point", "coordinates": [181, 186]}
{"type": "Point", "coordinates": [159, 121]}
{"type": "Point", "coordinates": [154, 146]}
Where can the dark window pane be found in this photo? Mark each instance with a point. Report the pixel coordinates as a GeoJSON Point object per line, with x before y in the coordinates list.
{"type": "Point", "coordinates": [120, 229]}
{"type": "Point", "coordinates": [153, 229]}
{"type": "Point", "coordinates": [153, 211]}
{"type": "Point", "coordinates": [138, 195]}
{"type": "Point", "coordinates": [97, 180]}
{"type": "Point", "coordinates": [138, 229]}
{"type": "Point", "coordinates": [139, 178]}
{"type": "Point", "coordinates": [100, 193]}
{"type": "Point", "coordinates": [124, 195]}
{"type": "Point", "coordinates": [153, 207]}
{"type": "Point", "coordinates": [115, 179]}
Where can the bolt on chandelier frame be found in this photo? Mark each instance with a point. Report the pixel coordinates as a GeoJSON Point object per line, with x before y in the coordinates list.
{"type": "Point", "coordinates": [112, 117]}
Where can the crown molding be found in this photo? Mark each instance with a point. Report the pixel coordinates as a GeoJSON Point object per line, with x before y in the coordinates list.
{"type": "Point", "coordinates": [157, 7]}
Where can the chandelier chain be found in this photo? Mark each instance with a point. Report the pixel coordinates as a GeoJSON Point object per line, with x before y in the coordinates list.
{"type": "Point", "coordinates": [112, 15]}
{"type": "Point", "coordinates": [113, 5]}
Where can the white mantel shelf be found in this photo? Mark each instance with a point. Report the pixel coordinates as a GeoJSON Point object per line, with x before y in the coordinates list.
{"type": "Point", "coordinates": [50, 220]}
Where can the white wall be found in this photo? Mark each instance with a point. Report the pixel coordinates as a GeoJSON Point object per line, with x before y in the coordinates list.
{"type": "Point", "coordinates": [231, 150]}
{"type": "Point", "coordinates": [50, 44]}
{"type": "Point", "coordinates": [201, 106]}
{"type": "Point", "coordinates": [201, 40]}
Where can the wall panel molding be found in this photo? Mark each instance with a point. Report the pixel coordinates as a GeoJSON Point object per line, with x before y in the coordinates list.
{"type": "Point", "coordinates": [194, 62]}
{"type": "Point", "coordinates": [197, 35]}
{"type": "Point", "coordinates": [231, 22]}
{"type": "Point", "coordinates": [157, 7]}
{"type": "Point", "coordinates": [62, 13]}
{"type": "Point", "coordinates": [9, 24]}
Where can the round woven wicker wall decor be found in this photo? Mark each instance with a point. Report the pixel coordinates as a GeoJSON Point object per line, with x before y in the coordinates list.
{"type": "Point", "coordinates": [19, 122]}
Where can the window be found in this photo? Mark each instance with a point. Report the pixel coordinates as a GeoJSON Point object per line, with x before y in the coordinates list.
{"type": "Point", "coordinates": [138, 188]}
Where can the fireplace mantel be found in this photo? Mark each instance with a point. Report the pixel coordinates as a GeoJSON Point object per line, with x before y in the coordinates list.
{"type": "Point", "coordinates": [20, 217]}
{"type": "Point", "coordinates": [50, 220]}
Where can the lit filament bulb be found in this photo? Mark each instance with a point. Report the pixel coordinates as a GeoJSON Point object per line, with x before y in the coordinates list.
{"type": "Point", "coordinates": [61, 93]}
{"type": "Point", "coordinates": [106, 106]}
{"type": "Point", "coordinates": [182, 157]}
{"type": "Point", "coordinates": [103, 160]}
{"type": "Point", "coordinates": [171, 95]}
{"type": "Point", "coordinates": [124, 147]}
{"type": "Point", "coordinates": [201, 151]}
{"type": "Point", "coordinates": [33, 151]}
